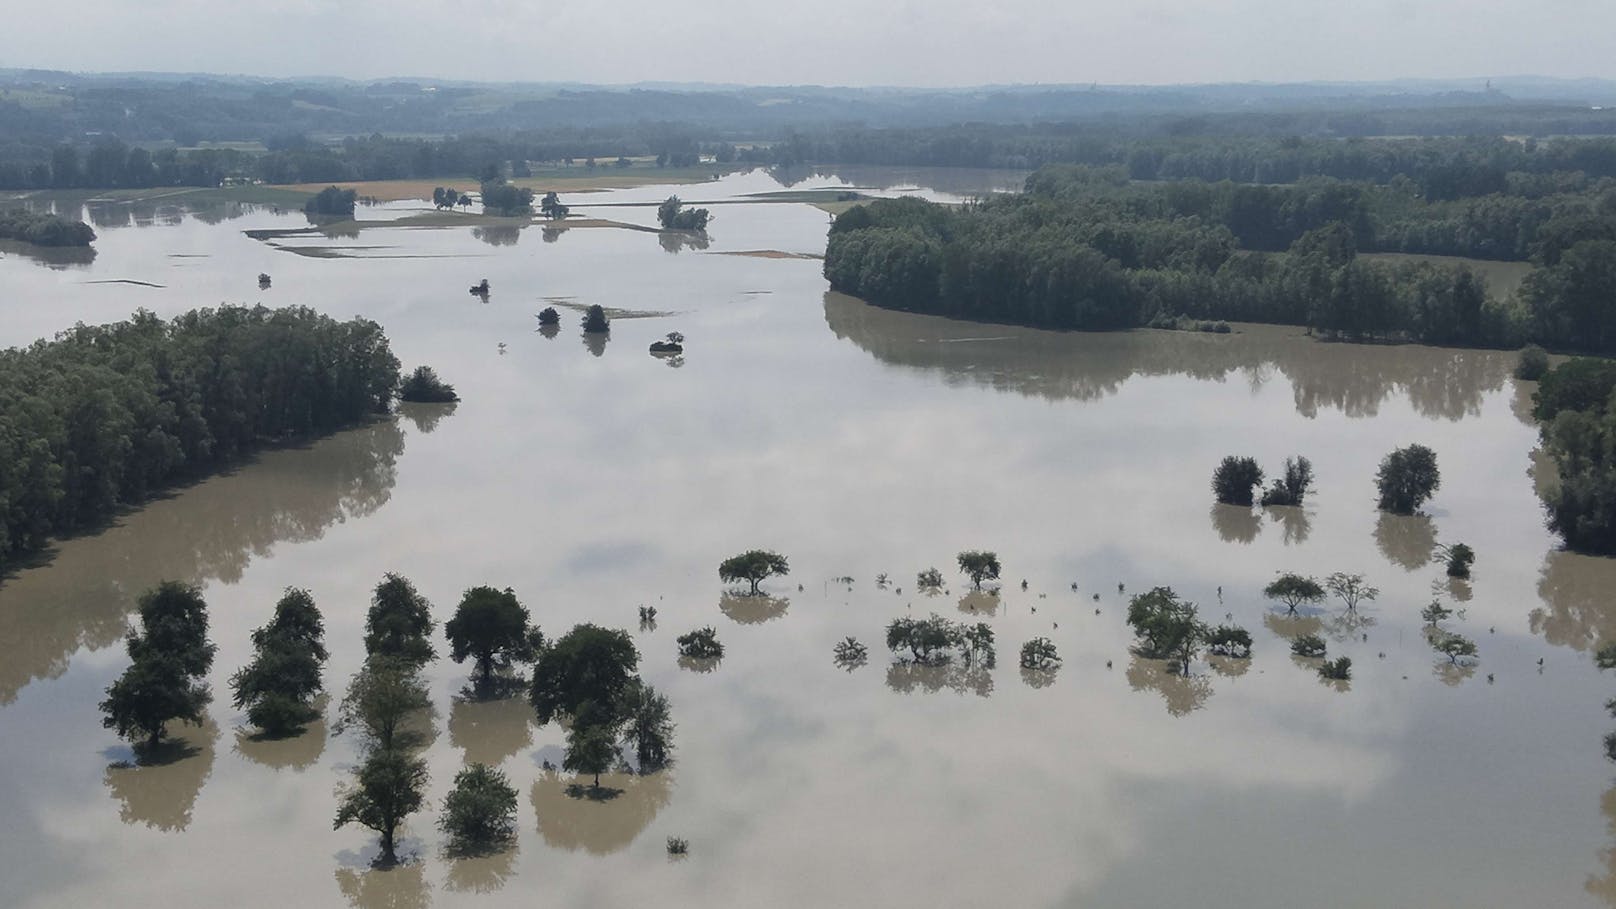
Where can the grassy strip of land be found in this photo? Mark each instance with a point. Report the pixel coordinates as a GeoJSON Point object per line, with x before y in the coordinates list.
{"type": "Point", "coordinates": [558, 179]}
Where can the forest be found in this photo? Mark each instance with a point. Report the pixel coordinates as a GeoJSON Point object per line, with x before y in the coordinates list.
{"type": "Point", "coordinates": [1087, 248]}
{"type": "Point", "coordinates": [103, 416]}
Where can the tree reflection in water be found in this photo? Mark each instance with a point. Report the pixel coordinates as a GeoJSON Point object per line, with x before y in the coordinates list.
{"type": "Point", "coordinates": [401, 886]}
{"type": "Point", "coordinates": [747, 609]}
{"type": "Point", "coordinates": [575, 817]}
{"type": "Point", "coordinates": [1235, 523]}
{"type": "Point", "coordinates": [1183, 694]}
{"type": "Point", "coordinates": [158, 787]}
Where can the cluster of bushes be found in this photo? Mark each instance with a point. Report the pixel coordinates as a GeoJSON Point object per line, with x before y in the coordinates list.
{"type": "Point", "coordinates": [102, 416]}
{"type": "Point", "coordinates": [42, 229]}
{"type": "Point", "coordinates": [332, 202]}
{"type": "Point", "coordinates": [672, 215]}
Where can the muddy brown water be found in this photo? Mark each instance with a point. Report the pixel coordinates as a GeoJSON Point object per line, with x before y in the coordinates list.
{"type": "Point", "coordinates": [856, 441]}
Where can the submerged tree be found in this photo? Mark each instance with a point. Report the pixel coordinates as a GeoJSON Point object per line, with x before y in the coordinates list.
{"type": "Point", "coordinates": [850, 653]}
{"type": "Point", "coordinates": [424, 387]}
{"type": "Point", "coordinates": [1435, 613]}
{"type": "Point", "coordinates": [1293, 487]}
{"type": "Point", "coordinates": [647, 725]}
{"type": "Point", "coordinates": [1308, 645]}
{"type": "Point", "coordinates": [492, 627]}
{"type": "Point", "coordinates": [588, 663]}
{"type": "Point", "coordinates": [753, 566]}
{"type": "Point", "coordinates": [549, 316]}
{"type": "Point", "coordinates": [1229, 641]}
{"type": "Point", "coordinates": [591, 742]}
{"type": "Point", "coordinates": [551, 208]}
{"type": "Point", "coordinates": [1293, 590]}
{"type": "Point", "coordinates": [930, 579]}
{"type": "Point", "coordinates": [277, 687]}
{"type": "Point", "coordinates": [1454, 646]}
{"type": "Point", "coordinates": [1460, 558]}
{"type": "Point", "coordinates": [1350, 588]}
{"type": "Point", "coordinates": [928, 640]}
{"type": "Point", "coordinates": [701, 644]}
{"type": "Point", "coordinates": [479, 813]}
{"type": "Point", "coordinates": [979, 566]}
{"type": "Point", "coordinates": [1040, 654]}
{"type": "Point", "coordinates": [1406, 478]}
{"type": "Point", "coordinates": [170, 655]}
{"type": "Point", "coordinates": [1336, 670]}
{"type": "Point", "coordinates": [1167, 628]}
{"type": "Point", "coordinates": [388, 787]}
{"type": "Point", "coordinates": [595, 321]}
{"type": "Point", "coordinates": [399, 623]}
{"type": "Point", "coordinates": [1234, 479]}
{"type": "Point", "coordinates": [381, 696]}
{"type": "Point", "coordinates": [672, 215]}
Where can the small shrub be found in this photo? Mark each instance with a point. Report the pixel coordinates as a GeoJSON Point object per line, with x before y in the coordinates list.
{"type": "Point", "coordinates": [1605, 657]}
{"type": "Point", "coordinates": [1308, 645]}
{"type": "Point", "coordinates": [1533, 364]}
{"type": "Point", "coordinates": [930, 579]}
{"type": "Point", "coordinates": [1336, 670]}
{"type": "Point", "coordinates": [424, 387]}
{"type": "Point", "coordinates": [850, 654]}
{"type": "Point", "coordinates": [677, 846]}
{"type": "Point", "coordinates": [549, 316]}
{"type": "Point", "coordinates": [595, 321]}
{"type": "Point", "coordinates": [1460, 558]}
{"type": "Point", "coordinates": [701, 644]}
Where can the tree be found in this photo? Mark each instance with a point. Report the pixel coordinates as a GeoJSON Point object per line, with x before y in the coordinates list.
{"type": "Point", "coordinates": [1234, 479]}
{"type": "Point", "coordinates": [1308, 645]}
{"type": "Point", "coordinates": [388, 787]}
{"type": "Point", "coordinates": [552, 208]}
{"type": "Point", "coordinates": [381, 696]}
{"type": "Point", "coordinates": [979, 565]}
{"type": "Point", "coordinates": [1407, 477]}
{"type": "Point", "coordinates": [1336, 670]}
{"type": "Point", "coordinates": [1293, 487]}
{"type": "Point", "coordinates": [1229, 641]}
{"type": "Point", "coordinates": [753, 566]}
{"type": "Point", "coordinates": [491, 626]}
{"type": "Point", "coordinates": [1350, 588]}
{"type": "Point", "coordinates": [332, 202]}
{"type": "Point", "coordinates": [276, 688]}
{"type": "Point", "coordinates": [549, 316]}
{"type": "Point", "coordinates": [1166, 627]}
{"type": "Point", "coordinates": [976, 642]}
{"type": "Point", "coordinates": [1293, 590]}
{"type": "Point", "coordinates": [588, 663]}
{"type": "Point", "coordinates": [647, 725]}
{"type": "Point", "coordinates": [1039, 654]}
{"type": "Point", "coordinates": [591, 749]}
{"type": "Point", "coordinates": [595, 321]}
{"type": "Point", "coordinates": [1460, 557]}
{"type": "Point", "coordinates": [672, 215]}
{"type": "Point", "coordinates": [479, 813]}
{"type": "Point", "coordinates": [424, 387]}
{"type": "Point", "coordinates": [399, 623]}
{"type": "Point", "coordinates": [170, 655]}
{"type": "Point", "coordinates": [1454, 646]}
{"type": "Point", "coordinates": [701, 644]}
{"type": "Point", "coordinates": [1533, 364]}
{"type": "Point", "coordinates": [505, 199]}
{"type": "Point", "coordinates": [1435, 613]}
{"type": "Point", "coordinates": [928, 640]}
{"type": "Point", "coordinates": [930, 579]}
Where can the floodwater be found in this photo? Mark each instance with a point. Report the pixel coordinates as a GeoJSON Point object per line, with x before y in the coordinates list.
{"type": "Point", "coordinates": [595, 478]}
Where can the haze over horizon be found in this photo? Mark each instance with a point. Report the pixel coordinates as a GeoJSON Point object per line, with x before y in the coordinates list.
{"type": "Point", "coordinates": [905, 43]}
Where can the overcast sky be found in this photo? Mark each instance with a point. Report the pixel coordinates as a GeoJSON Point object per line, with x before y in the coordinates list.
{"type": "Point", "coordinates": [831, 42]}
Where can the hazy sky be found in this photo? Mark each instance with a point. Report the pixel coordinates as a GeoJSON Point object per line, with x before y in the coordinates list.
{"type": "Point", "coordinates": [840, 42]}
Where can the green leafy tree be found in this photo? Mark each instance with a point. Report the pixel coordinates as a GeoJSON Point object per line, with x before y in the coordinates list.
{"type": "Point", "coordinates": [505, 199]}
{"type": "Point", "coordinates": [754, 567]}
{"type": "Point", "coordinates": [552, 208]}
{"type": "Point", "coordinates": [424, 387]}
{"type": "Point", "coordinates": [381, 697]}
{"type": "Point", "coordinates": [492, 627]}
{"type": "Point", "coordinates": [672, 215]}
{"type": "Point", "coordinates": [1291, 489]}
{"type": "Point", "coordinates": [332, 202]}
{"type": "Point", "coordinates": [1435, 613]}
{"type": "Point", "coordinates": [1293, 590]}
{"type": "Point", "coordinates": [388, 787]}
{"type": "Point", "coordinates": [1229, 641]}
{"type": "Point", "coordinates": [928, 640]}
{"type": "Point", "coordinates": [170, 655]}
{"type": "Point", "coordinates": [399, 623]}
{"type": "Point", "coordinates": [647, 725]}
{"type": "Point", "coordinates": [1534, 363]}
{"type": "Point", "coordinates": [1336, 670]}
{"type": "Point", "coordinates": [277, 687]}
{"type": "Point", "coordinates": [1308, 645]}
{"type": "Point", "coordinates": [1234, 479]}
{"type": "Point", "coordinates": [701, 644]}
{"type": "Point", "coordinates": [1166, 627]}
{"type": "Point", "coordinates": [587, 664]}
{"type": "Point", "coordinates": [591, 749]}
{"type": "Point", "coordinates": [595, 321]}
{"type": "Point", "coordinates": [1455, 647]}
{"type": "Point", "coordinates": [979, 566]}
{"type": "Point", "coordinates": [1460, 558]}
{"type": "Point", "coordinates": [1407, 477]}
{"type": "Point", "coordinates": [930, 579]}
{"type": "Point", "coordinates": [1039, 654]}
{"type": "Point", "coordinates": [479, 813]}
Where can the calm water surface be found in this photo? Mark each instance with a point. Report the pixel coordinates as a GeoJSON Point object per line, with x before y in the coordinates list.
{"type": "Point", "coordinates": [594, 479]}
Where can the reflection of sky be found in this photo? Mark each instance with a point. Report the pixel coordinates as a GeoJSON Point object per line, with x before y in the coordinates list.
{"type": "Point", "coordinates": [594, 485]}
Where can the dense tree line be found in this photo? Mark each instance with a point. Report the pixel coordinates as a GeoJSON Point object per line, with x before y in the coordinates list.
{"type": "Point", "coordinates": [1087, 249]}
{"type": "Point", "coordinates": [43, 229]}
{"type": "Point", "coordinates": [102, 416]}
{"type": "Point", "coordinates": [1578, 426]}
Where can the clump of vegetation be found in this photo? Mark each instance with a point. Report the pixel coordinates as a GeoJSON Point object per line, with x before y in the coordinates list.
{"type": "Point", "coordinates": [43, 230]}
{"type": "Point", "coordinates": [549, 316]}
{"type": "Point", "coordinates": [479, 813]}
{"type": "Point", "coordinates": [976, 644]}
{"type": "Point", "coordinates": [389, 786]}
{"type": "Point", "coordinates": [1460, 558]}
{"type": "Point", "coordinates": [1454, 646]}
{"type": "Point", "coordinates": [851, 654]}
{"type": "Point", "coordinates": [445, 197]}
{"type": "Point", "coordinates": [647, 725]}
{"type": "Point", "coordinates": [1293, 487]}
{"type": "Point", "coordinates": [170, 657]}
{"type": "Point", "coordinates": [1350, 588]}
{"type": "Point", "coordinates": [1166, 627]}
{"type": "Point", "coordinates": [277, 688]}
{"type": "Point", "coordinates": [701, 644]}
{"type": "Point", "coordinates": [1534, 363]}
{"type": "Point", "coordinates": [332, 201]}
{"type": "Point", "coordinates": [505, 199]}
{"type": "Point", "coordinates": [1293, 590]}
{"type": "Point", "coordinates": [1336, 670]}
{"type": "Point", "coordinates": [677, 846]}
{"type": "Point", "coordinates": [1407, 477]}
{"type": "Point", "coordinates": [399, 624]}
{"type": "Point", "coordinates": [1234, 479]}
{"type": "Point", "coordinates": [492, 627]}
{"type": "Point", "coordinates": [1039, 654]}
{"type": "Point", "coordinates": [929, 641]}
{"type": "Point", "coordinates": [929, 580]}
{"type": "Point", "coordinates": [595, 321]}
{"type": "Point", "coordinates": [1229, 641]}
{"type": "Point", "coordinates": [551, 208]}
{"type": "Point", "coordinates": [1579, 433]}
{"type": "Point", "coordinates": [424, 387]}
{"type": "Point", "coordinates": [588, 664]}
{"type": "Point", "coordinates": [1308, 645]}
{"type": "Point", "coordinates": [1435, 613]}
{"type": "Point", "coordinates": [753, 567]}
{"type": "Point", "coordinates": [979, 566]}
{"type": "Point", "coordinates": [1605, 657]}
{"type": "Point", "coordinates": [672, 215]}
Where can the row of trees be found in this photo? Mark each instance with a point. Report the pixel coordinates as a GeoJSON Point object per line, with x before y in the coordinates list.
{"type": "Point", "coordinates": [1406, 478]}
{"type": "Point", "coordinates": [102, 416]}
